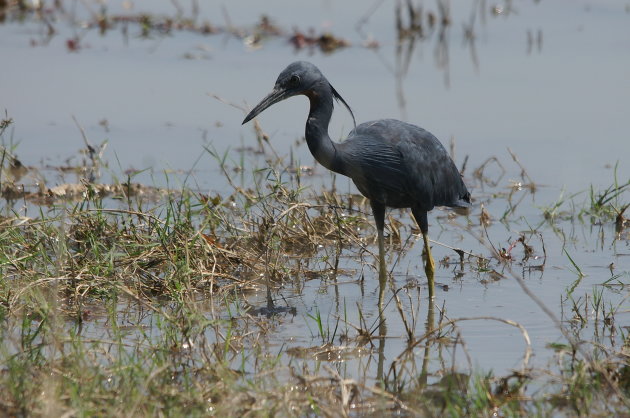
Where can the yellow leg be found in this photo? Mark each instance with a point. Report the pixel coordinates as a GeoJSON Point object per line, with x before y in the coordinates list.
{"type": "Point", "coordinates": [379, 217]}
{"type": "Point", "coordinates": [429, 267]}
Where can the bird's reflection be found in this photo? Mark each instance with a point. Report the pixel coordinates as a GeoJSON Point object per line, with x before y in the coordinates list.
{"type": "Point", "coordinates": [429, 328]}
{"type": "Point", "coordinates": [382, 335]}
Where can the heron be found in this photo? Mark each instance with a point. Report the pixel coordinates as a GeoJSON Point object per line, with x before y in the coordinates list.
{"type": "Point", "coordinates": [393, 163]}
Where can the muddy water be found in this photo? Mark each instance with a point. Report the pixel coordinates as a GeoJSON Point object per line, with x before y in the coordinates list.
{"type": "Point", "coordinates": [549, 80]}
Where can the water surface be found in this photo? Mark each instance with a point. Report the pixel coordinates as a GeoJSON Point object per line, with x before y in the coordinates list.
{"type": "Point", "coordinates": [549, 80]}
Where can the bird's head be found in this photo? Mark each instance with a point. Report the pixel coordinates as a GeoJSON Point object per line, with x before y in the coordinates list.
{"type": "Point", "coordinates": [300, 77]}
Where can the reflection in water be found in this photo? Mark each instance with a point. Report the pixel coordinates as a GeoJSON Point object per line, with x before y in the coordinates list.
{"type": "Point", "coordinates": [237, 336]}
{"type": "Point", "coordinates": [382, 334]}
{"type": "Point", "coordinates": [422, 379]}
{"type": "Point", "coordinates": [420, 26]}
{"type": "Point", "coordinates": [403, 367]}
{"type": "Point", "coordinates": [534, 42]}
{"type": "Point", "coordinates": [415, 25]}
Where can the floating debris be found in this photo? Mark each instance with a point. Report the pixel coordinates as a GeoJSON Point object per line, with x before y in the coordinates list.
{"type": "Point", "coordinates": [326, 42]}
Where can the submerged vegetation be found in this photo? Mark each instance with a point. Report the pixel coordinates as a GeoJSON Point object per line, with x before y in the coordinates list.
{"type": "Point", "coordinates": [128, 305]}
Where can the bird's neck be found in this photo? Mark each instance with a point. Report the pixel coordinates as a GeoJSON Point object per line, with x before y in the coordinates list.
{"type": "Point", "coordinates": [319, 143]}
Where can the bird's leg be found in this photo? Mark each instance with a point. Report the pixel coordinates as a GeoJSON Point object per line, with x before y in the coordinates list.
{"type": "Point", "coordinates": [378, 210]}
{"type": "Point", "coordinates": [429, 267]}
{"type": "Point", "coordinates": [382, 268]}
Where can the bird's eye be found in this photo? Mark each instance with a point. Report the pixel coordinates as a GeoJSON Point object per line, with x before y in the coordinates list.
{"type": "Point", "coordinates": [294, 80]}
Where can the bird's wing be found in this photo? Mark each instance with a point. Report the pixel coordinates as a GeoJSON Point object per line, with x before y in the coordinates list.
{"type": "Point", "coordinates": [376, 164]}
{"type": "Point", "coordinates": [403, 165]}
{"type": "Point", "coordinates": [431, 169]}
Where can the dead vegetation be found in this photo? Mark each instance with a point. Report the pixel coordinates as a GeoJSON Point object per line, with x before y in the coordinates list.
{"type": "Point", "coordinates": [148, 25]}
{"type": "Point", "coordinates": [117, 306]}
{"type": "Point", "coordinates": [127, 299]}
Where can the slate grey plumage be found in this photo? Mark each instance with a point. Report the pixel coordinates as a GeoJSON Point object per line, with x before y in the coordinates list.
{"type": "Point", "coordinates": [392, 163]}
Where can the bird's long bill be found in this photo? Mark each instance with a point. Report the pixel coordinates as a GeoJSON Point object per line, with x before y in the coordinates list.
{"type": "Point", "coordinates": [274, 97]}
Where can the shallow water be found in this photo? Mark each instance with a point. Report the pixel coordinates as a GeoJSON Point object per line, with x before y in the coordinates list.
{"type": "Point", "coordinates": [561, 107]}
{"type": "Point", "coordinates": [560, 103]}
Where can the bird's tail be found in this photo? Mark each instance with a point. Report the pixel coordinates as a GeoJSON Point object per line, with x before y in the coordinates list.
{"type": "Point", "coordinates": [462, 205]}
